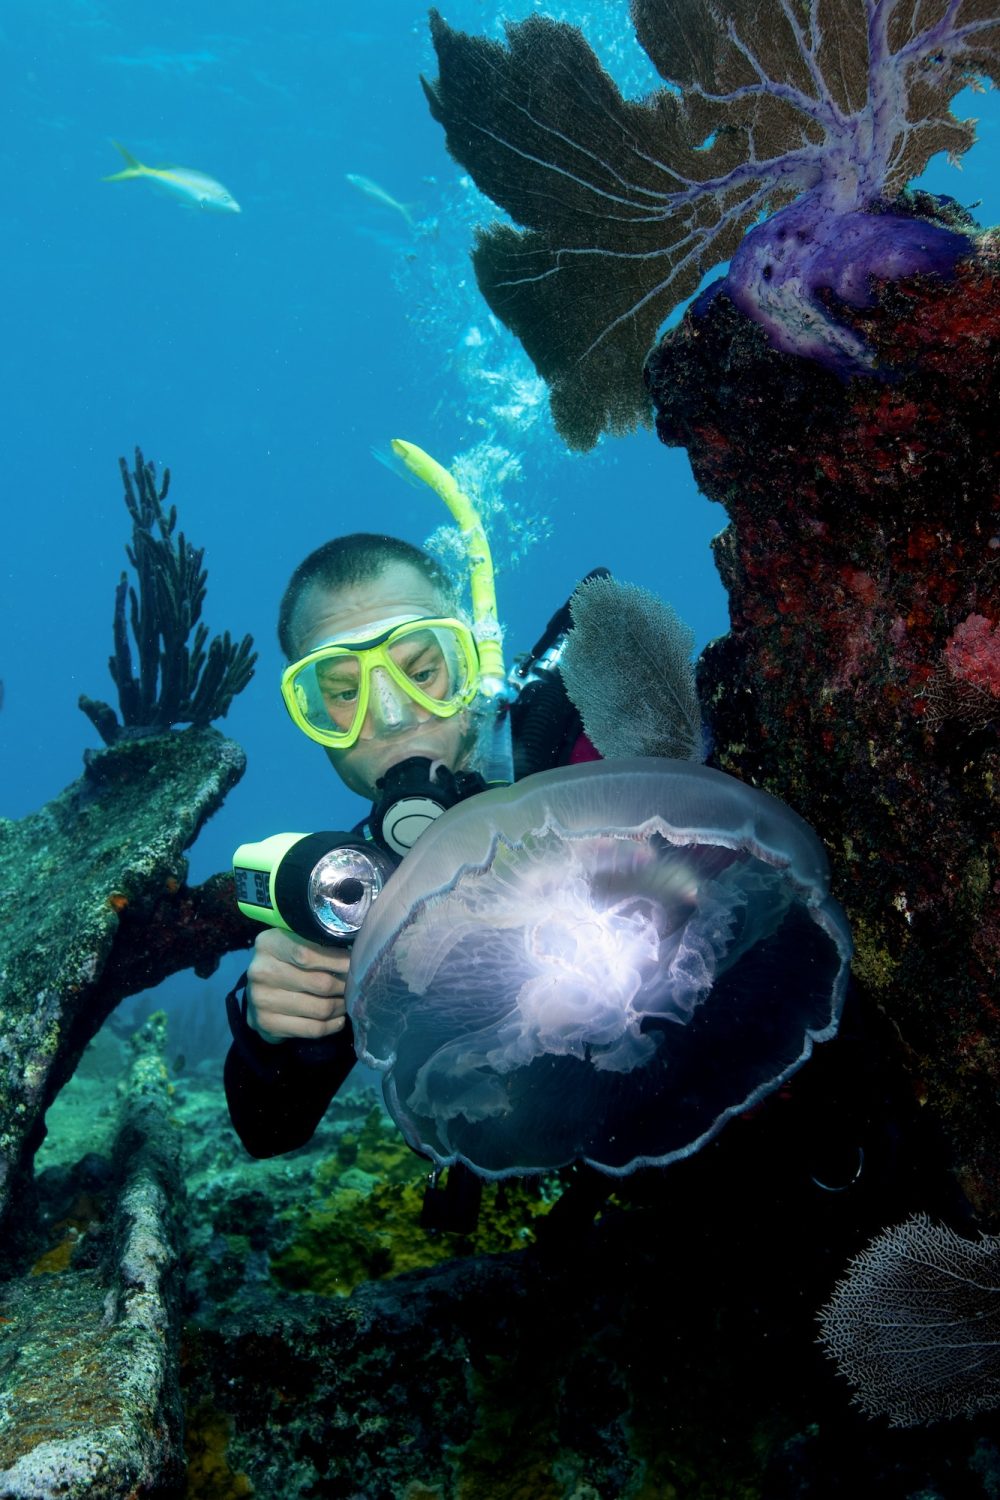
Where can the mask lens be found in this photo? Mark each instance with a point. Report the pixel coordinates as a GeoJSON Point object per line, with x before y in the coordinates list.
{"type": "Point", "coordinates": [435, 664]}
{"type": "Point", "coordinates": [328, 695]}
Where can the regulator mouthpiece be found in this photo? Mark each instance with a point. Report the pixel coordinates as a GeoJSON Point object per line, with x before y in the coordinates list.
{"type": "Point", "coordinates": [412, 795]}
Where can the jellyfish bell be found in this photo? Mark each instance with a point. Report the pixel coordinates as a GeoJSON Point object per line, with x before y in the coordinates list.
{"type": "Point", "coordinates": [603, 962]}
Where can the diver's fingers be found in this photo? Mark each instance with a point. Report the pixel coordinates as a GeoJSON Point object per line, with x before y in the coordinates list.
{"type": "Point", "coordinates": [295, 988]}
{"type": "Point", "coordinates": [280, 1014]}
{"type": "Point", "coordinates": [287, 963]}
{"type": "Point", "coordinates": [285, 1002]}
{"type": "Point", "coordinates": [324, 984]}
{"type": "Point", "coordinates": [297, 1028]}
{"type": "Point", "coordinates": [289, 948]}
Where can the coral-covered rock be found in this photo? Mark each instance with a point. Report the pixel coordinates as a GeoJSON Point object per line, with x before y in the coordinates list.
{"type": "Point", "coordinates": [89, 1396]}
{"type": "Point", "coordinates": [858, 680]}
{"type": "Point", "coordinates": [93, 907]}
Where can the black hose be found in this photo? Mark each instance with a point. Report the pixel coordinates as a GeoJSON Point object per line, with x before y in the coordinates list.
{"type": "Point", "coordinates": [544, 724]}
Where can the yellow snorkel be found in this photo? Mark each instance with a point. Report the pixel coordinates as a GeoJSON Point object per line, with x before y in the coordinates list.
{"type": "Point", "coordinates": [495, 745]}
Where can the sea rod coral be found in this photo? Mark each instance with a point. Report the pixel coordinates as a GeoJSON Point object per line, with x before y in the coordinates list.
{"type": "Point", "coordinates": [815, 114]}
{"type": "Point", "coordinates": [179, 682]}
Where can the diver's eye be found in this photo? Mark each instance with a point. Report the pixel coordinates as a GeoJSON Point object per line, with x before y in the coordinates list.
{"type": "Point", "coordinates": [338, 689]}
{"type": "Point", "coordinates": [424, 666]}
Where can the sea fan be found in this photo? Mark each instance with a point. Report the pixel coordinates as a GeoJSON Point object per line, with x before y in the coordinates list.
{"type": "Point", "coordinates": [627, 667]}
{"type": "Point", "coordinates": [915, 1324]}
{"type": "Point", "coordinates": [813, 113]}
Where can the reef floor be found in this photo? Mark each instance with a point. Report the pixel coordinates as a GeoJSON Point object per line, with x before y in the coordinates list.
{"type": "Point", "coordinates": [662, 1347]}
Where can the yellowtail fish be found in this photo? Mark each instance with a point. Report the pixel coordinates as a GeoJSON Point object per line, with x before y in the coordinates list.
{"type": "Point", "coordinates": [192, 188]}
{"type": "Point", "coordinates": [372, 190]}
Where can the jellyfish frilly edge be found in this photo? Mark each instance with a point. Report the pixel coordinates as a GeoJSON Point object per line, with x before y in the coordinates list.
{"type": "Point", "coordinates": [603, 963]}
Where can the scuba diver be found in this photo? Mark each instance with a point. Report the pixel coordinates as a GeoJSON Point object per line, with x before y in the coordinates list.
{"type": "Point", "coordinates": [405, 694]}
{"type": "Point", "coordinates": [408, 697]}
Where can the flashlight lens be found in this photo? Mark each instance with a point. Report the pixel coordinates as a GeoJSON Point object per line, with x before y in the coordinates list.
{"type": "Point", "coordinates": [342, 887]}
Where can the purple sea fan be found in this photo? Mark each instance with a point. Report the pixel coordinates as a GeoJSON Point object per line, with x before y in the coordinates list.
{"type": "Point", "coordinates": [813, 113]}
{"type": "Point", "coordinates": [915, 1324]}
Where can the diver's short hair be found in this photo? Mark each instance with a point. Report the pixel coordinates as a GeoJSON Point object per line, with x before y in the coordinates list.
{"type": "Point", "coordinates": [348, 560]}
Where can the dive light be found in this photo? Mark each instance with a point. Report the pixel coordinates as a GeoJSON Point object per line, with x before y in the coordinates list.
{"type": "Point", "coordinates": [323, 885]}
{"type": "Point", "coordinates": [318, 885]}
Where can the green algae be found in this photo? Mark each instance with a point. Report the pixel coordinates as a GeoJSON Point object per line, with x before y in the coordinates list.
{"type": "Point", "coordinates": [207, 1435]}
{"type": "Point", "coordinates": [364, 1222]}
{"type": "Point", "coordinates": [872, 962]}
{"type": "Point", "coordinates": [83, 1116]}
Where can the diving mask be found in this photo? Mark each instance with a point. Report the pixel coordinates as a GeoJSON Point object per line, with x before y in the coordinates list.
{"type": "Point", "coordinates": [425, 663]}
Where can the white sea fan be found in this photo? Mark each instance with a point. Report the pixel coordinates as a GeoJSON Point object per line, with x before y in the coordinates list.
{"type": "Point", "coordinates": [915, 1324]}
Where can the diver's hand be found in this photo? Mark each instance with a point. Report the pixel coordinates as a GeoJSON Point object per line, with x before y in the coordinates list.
{"type": "Point", "coordinates": [295, 988]}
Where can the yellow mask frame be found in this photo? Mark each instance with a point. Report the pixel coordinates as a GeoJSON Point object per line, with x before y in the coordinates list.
{"type": "Point", "coordinates": [300, 679]}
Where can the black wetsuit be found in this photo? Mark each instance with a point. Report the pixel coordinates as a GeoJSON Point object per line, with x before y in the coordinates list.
{"type": "Point", "coordinates": [279, 1091]}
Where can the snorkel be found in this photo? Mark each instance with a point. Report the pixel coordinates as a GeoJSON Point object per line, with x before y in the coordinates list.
{"type": "Point", "coordinates": [322, 885]}
{"type": "Point", "coordinates": [494, 755]}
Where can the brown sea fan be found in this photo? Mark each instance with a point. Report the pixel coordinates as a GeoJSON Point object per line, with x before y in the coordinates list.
{"type": "Point", "coordinates": [627, 666]}
{"type": "Point", "coordinates": [622, 206]}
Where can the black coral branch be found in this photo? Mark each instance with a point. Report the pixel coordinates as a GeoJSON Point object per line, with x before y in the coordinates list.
{"type": "Point", "coordinates": [181, 679]}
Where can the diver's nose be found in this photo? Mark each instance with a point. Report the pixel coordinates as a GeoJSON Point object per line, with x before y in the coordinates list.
{"type": "Point", "coordinates": [389, 709]}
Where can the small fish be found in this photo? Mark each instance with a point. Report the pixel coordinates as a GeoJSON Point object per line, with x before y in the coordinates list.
{"type": "Point", "coordinates": [372, 190]}
{"type": "Point", "coordinates": [192, 188]}
{"type": "Point", "coordinates": [185, 63]}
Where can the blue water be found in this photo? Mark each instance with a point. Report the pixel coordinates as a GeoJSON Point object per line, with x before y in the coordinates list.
{"type": "Point", "coordinates": [264, 356]}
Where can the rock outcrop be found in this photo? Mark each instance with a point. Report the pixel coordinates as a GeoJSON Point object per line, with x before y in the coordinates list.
{"type": "Point", "coordinates": [860, 680]}
{"type": "Point", "coordinates": [93, 907]}
{"type": "Point", "coordinates": [89, 1393]}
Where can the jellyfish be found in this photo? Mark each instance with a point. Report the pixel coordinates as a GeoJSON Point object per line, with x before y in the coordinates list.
{"type": "Point", "coordinates": [601, 963]}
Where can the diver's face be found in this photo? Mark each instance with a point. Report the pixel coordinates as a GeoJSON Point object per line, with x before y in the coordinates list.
{"type": "Point", "coordinates": [387, 736]}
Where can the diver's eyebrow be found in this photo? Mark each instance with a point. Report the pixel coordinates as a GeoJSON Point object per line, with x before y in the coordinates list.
{"type": "Point", "coordinates": [419, 640]}
{"type": "Point", "coordinates": [414, 649]}
{"type": "Point", "coordinates": [337, 672]}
